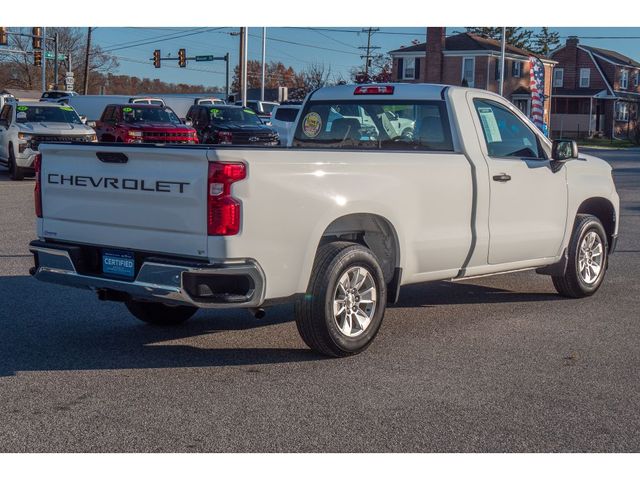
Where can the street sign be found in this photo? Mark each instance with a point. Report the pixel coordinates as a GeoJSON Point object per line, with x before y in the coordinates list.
{"type": "Point", "coordinates": [51, 56]}
{"type": "Point", "coordinates": [204, 58]}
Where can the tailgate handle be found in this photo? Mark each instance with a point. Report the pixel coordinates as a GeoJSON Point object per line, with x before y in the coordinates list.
{"type": "Point", "coordinates": [112, 157]}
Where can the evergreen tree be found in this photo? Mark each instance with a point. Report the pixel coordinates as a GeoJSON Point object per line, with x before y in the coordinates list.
{"type": "Point", "coordinates": [516, 36]}
{"type": "Point", "coordinates": [546, 41]}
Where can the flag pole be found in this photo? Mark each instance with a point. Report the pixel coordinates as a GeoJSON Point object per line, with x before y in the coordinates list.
{"type": "Point", "coordinates": [502, 52]}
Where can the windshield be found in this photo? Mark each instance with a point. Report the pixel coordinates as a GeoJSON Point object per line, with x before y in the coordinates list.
{"type": "Point", "coordinates": [374, 124]}
{"type": "Point", "coordinates": [144, 114]}
{"type": "Point", "coordinates": [62, 114]}
{"type": "Point", "coordinates": [243, 116]}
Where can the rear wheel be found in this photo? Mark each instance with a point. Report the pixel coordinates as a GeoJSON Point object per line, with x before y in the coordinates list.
{"type": "Point", "coordinates": [342, 311]}
{"type": "Point", "coordinates": [15, 172]}
{"type": "Point", "coordinates": [587, 259]}
{"type": "Point", "coordinates": [159, 313]}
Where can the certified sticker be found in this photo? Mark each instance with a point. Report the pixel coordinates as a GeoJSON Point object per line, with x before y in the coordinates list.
{"type": "Point", "coordinates": [248, 110]}
{"type": "Point", "coordinates": [215, 112]}
{"type": "Point", "coordinates": [22, 108]}
{"type": "Point", "coordinates": [127, 109]}
{"type": "Point", "coordinates": [67, 108]}
{"type": "Point", "coordinates": [311, 125]}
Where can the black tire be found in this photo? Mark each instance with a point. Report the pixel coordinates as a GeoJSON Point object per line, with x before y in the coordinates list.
{"type": "Point", "coordinates": [15, 172]}
{"type": "Point", "coordinates": [572, 284]}
{"type": "Point", "coordinates": [159, 313]}
{"type": "Point", "coordinates": [314, 313]}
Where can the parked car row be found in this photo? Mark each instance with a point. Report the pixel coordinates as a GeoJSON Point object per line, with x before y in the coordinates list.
{"type": "Point", "coordinates": [66, 116]}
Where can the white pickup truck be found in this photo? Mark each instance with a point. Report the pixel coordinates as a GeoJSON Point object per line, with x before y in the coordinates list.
{"type": "Point", "coordinates": [336, 223]}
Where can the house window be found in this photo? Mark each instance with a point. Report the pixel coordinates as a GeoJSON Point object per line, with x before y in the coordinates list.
{"type": "Point", "coordinates": [622, 111]}
{"type": "Point", "coordinates": [624, 79]}
{"type": "Point", "coordinates": [636, 80]}
{"type": "Point", "coordinates": [468, 71]}
{"type": "Point", "coordinates": [585, 77]}
{"type": "Point", "coordinates": [516, 69]}
{"type": "Point", "coordinates": [409, 72]}
{"type": "Point", "coordinates": [558, 77]}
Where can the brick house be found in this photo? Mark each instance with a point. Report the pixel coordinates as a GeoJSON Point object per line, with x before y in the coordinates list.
{"type": "Point", "coordinates": [471, 60]}
{"type": "Point", "coordinates": [595, 91]}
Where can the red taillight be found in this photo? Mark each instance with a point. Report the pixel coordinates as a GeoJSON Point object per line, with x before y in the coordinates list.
{"type": "Point", "coordinates": [225, 138]}
{"type": "Point", "coordinates": [223, 211]}
{"type": "Point", "coordinates": [37, 191]}
{"type": "Point", "coordinates": [374, 90]}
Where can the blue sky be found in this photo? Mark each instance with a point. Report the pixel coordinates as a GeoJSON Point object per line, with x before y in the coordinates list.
{"type": "Point", "coordinates": [295, 46]}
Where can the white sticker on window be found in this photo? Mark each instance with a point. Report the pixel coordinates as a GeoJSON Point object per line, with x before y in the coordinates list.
{"type": "Point", "coordinates": [21, 115]}
{"type": "Point", "coordinates": [489, 124]}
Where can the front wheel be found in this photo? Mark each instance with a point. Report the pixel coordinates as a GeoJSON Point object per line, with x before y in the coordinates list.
{"type": "Point", "coordinates": [588, 257]}
{"type": "Point", "coordinates": [159, 313]}
{"type": "Point", "coordinates": [15, 172]}
{"type": "Point", "coordinates": [343, 308]}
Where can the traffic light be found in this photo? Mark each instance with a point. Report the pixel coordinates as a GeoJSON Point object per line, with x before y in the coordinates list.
{"type": "Point", "coordinates": [182, 58]}
{"type": "Point", "coordinates": [36, 40]}
{"type": "Point", "coordinates": [156, 58]}
{"type": "Point", "coordinates": [3, 36]}
{"type": "Point", "coordinates": [37, 58]}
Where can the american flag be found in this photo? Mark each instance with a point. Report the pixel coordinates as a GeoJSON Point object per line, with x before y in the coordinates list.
{"type": "Point", "coordinates": [536, 69]}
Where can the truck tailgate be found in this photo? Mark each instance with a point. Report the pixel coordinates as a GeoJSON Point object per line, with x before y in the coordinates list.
{"type": "Point", "coordinates": [153, 201]}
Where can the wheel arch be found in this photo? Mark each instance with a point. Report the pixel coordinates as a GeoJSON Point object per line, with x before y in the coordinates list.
{"type": "Point", "coordinates": [604, 210]}
{"type": "Point", "coordinates": [371, 230]}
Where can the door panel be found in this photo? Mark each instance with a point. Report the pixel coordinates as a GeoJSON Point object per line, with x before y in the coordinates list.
{"type": "Point", "coordinates": [528, 201]}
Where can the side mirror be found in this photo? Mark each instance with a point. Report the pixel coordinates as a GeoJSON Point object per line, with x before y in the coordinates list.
{"type": "Point", "coordinates": [188, 123]}
{"type": "Point", "coordinates": [83, 119]}
{"type": "Point", "coordinates": [91, 124]}
{"type": "Point", "coordinates": [563, 150]}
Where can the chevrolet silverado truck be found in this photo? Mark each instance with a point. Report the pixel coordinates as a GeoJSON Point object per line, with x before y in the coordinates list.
{"type": "Point", "coordinates": [336, 223]}
{"type": "Point", "coordinates": [24, 125]}
{"type": "Point", "coordinates": [143, 123]}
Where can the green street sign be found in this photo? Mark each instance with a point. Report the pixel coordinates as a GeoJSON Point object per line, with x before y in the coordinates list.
{"type": "Point", "coordinates": [51, 56]}
{"type": "Point", "coordinates": [204, 58]}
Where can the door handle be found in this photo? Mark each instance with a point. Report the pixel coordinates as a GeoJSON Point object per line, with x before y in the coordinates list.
{"type": "Point", "coordinates": [503, 177]}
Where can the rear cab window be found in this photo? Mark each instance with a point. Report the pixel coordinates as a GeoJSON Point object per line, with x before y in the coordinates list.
{"type": "Point", "coordinates": [383, 124]}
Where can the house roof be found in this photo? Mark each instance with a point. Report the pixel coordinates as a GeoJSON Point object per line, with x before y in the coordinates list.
{"type": "Point", "coordinates": [470, 42]}
{"type": "Point", "coordinates": [578, 92]}
{"type": "Point", "coordinates": [612, 56]}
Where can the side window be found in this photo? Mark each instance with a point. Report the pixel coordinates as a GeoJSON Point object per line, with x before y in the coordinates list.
{"type": "Point", "coordinates": [505, 134]}
{"type": "Point", "coordinates": [203, 116]}
{"type": "Point", "coordinates": [286, 114]}
{"type": "Point", "coordinates": [107, 116]}
{"type": "Point", "coordinates": [5, 115]}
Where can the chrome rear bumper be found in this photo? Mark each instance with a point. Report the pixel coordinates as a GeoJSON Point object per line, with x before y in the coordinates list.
{"type": "Point", "coordinates": [201, 286]}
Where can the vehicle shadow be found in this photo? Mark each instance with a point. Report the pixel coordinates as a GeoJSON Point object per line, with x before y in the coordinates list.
{"type": "Point", "coordinates": [453, 293]}
{"type": "Point", "coordinates": [48, 327]}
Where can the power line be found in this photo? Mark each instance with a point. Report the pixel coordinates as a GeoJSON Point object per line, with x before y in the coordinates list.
{"type": "Point", "coordinates": [151, 38]}
{"type": "Point", "coordinates": [161, 40]}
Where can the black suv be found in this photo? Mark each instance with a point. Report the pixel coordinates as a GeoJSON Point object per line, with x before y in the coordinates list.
{"type": "Point", "coordinates": [230, 125]}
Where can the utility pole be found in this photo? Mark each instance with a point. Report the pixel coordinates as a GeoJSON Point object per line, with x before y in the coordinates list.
{"type": "Point", "coordinates": [44, 60]}
{"type": "Point", "coordinates": [243, 64]}
{"type": "Point", "coordinates": [86, 62]}
{"type": "Point", "coordinates": [367, 57]}
{"type": "Point", "coordinates": [264, 65]}
{"type": "Point", "coordinates": [55, 60]}
{"type": "Point", "coordinates": [226, 58]}
{"type": "Point", "coordinates": [502, 49]}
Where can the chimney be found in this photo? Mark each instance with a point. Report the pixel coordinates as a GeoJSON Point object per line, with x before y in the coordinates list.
{"type": "Point", "coordinates": [572, 41]}
{"type": "Point", "coordinates": [434, 57]}
{"type": "Point", "coordinates": [571, 62]}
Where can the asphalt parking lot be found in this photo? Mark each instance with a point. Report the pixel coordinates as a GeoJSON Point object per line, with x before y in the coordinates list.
{"type": "Point", "coordinates": [498, 364]}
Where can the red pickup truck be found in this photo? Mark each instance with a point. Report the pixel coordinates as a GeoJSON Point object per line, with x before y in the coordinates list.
{"type": "Point", "coordinates": [142, 123]}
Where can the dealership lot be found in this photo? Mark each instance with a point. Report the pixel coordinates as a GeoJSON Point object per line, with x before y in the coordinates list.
{"type": "Point", "coordinates": [497, 364]}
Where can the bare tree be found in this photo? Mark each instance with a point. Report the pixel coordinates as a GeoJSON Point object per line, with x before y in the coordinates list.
{"type": "Point", "coordinates": [18, 70]}
{"type": "Point", "coordinates": [316, 75]}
